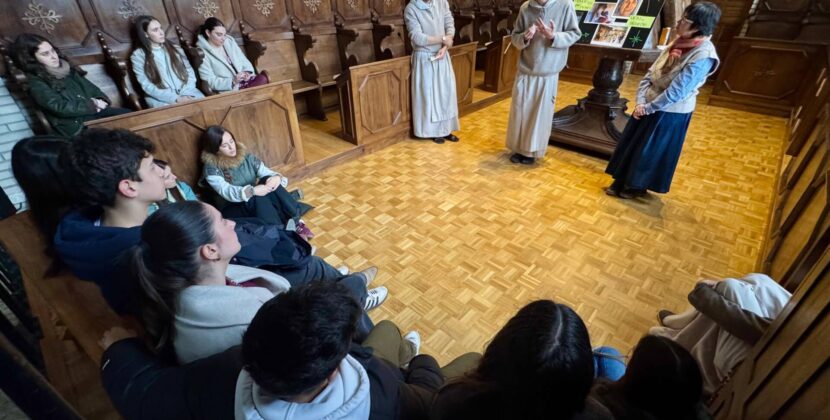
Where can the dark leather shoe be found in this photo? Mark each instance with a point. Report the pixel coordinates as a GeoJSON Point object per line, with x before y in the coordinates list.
{"type": "Point", "coordinates": [438, 140]}
{"type": "Point", "coordinates": [451, 138]}
{"type": "Point", "coordinates": [516, 158]}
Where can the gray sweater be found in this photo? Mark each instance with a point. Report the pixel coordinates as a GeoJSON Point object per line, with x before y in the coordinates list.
{"type": "Point", "coordinates": [541, 57]}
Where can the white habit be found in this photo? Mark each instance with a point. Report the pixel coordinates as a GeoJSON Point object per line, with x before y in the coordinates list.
{"type": "Point", "coordinates": [434, 100]}
{"type": "Point", "coordinates": [540, 61]}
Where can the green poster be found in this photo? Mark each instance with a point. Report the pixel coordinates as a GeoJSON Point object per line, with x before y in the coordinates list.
{"type": "Point", "coordinates": [637, 21]}
{"type": "Point", "coordinates": [583, 4]}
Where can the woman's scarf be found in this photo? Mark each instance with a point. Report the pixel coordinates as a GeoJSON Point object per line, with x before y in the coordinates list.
{"type": "Point", "coordinates": [679, 47]}
{"type": "Point", "coordinates": [59, 72]}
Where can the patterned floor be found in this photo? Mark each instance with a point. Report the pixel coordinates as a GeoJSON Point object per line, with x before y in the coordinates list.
{"type": "Point", "coordinates": [463, 238]}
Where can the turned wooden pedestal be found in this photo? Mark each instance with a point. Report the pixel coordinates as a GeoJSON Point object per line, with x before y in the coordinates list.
{"type": "Point", "coordinates": [596, 122]}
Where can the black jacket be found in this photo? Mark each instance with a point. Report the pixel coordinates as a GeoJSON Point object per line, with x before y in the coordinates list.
{"type": "Point", "coordinates": [141, 386]}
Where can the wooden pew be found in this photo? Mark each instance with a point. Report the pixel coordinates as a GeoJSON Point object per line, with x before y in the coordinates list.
{"type": "Point", "coordinates": [463, 13]}
{"type": "Point", "coordinates": [176, 129]}
{"type": "Point", "coordinates": [374, 102]}
{"type": "Point", "coordinates": [388, 31]}
{"type": "Point", "coordinates": [353, 20]}
{"type": "Point", "coordinates": [501, 65]}
{"type": "Point", "coordinates": [72, 313]}
{"type": "Point", "coordinates": [464, 67]}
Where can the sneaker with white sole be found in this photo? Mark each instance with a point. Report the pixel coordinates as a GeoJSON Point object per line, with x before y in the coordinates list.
{"type": "Point", "coordinates": [369, 274]}
{"type": "Point", "coordinates": [414, 340]}
{"type": "Point", "coordinates": [343, 269]}
{"type": "Point", "coordinates": [375, 298]}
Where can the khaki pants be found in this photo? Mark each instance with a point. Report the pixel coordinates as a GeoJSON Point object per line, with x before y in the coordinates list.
{"type": "Point", "coordinates": [386, 341]}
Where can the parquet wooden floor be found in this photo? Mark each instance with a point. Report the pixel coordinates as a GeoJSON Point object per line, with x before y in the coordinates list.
{"type": "Point", "coordinates": [463, 238]}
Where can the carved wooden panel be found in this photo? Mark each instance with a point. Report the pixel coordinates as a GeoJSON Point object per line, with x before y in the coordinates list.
{"type": "Point", "coordinates": [324, 53]}
{"type": "Point", "coordinates": [786, 375]}
{"type": "Point", "coordinates": [380, 100]}
{"type": "Point", "coordinates": [115, 17]}
{"type": "Point", "coordinates": [351, 11]}
{"type": "Point", "coordinates": [464, 67]}
{"type": "Point", "coordinates": [312, 12]}
{"type": "Point", "coordinates": [389, 10]}
{"type": "Point", "coordinates": [176, 129]}
{"type": "Point", "coordinates": [60, 21]}
{"type": "Point", "coordinates": [463, 4]}
{"type": "Point", "coordinates": [765, 75]}
{"type": "Point", "coordinates": [263, 15]}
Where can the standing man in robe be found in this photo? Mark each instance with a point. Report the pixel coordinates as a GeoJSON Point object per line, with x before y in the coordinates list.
{"type": "Point", "coordinates": [434, 101]}
{"type": "Point", "coordinates": [543, 32]}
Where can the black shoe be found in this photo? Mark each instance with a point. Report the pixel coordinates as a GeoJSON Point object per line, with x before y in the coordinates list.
{"type": "Point", "coordinates": [451, 138]}
{"type": "Point", "coordinates": [516, 158]}
{"type": "Point", "coordinates": [528, 160]}
{"type": "Point", "coordinates": [438, 140]}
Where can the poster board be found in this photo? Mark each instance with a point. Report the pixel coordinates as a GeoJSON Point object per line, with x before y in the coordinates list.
{"type": "Point", "coordinates": [616, 23]}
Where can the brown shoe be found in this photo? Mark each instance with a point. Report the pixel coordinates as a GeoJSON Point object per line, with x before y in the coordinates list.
{"type": "Point", "coordinates": [661, 316]}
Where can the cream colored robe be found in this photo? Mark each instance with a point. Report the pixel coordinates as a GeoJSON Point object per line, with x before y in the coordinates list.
{"type": "Point", "coordinates": [540, 61]}
{"type": "Point", "coordinates": [434, 99]}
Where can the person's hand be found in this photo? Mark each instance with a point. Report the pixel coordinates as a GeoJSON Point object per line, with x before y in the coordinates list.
{"type": "Point", "coordinates": [114, 335]}
{"type": "Point", "coordinates": [273, 182]}
{"type": "Point", "coordinates": [639, 111]}
{"type": "Point", "coordinates": [100, 104]}
{"type": "Point", "coordinates": [548, 31]}
{"type": "Point", "coordinates": [182, 99]}
{"type": "Point", "coordinates": [530, 33]}
{"type": "Point", "coordinates": [440, 54]}
{"type": "Point", "coordinates": [446, 40]}
{"type": "Point", "coordinates": [262, 190]}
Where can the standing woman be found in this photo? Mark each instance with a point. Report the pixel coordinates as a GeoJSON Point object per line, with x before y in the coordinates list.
{"type": "Point", "coordinates": [225, 67]}
{"type": "Point", "coordinates": [161, 68]}
{"type": "Point", "coordinates": [434, 100]}
{"type": "Point", "coordinates": [647, 154]}
{"type": "Point", "coordinates": [543, 32]}
{"type": "Point", "coordinates": [58, 88]}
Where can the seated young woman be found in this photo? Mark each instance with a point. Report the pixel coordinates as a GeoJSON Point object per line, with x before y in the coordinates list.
{"type": "Point", "coordinates": [244, 186]}
{"type": "Point", "coordinates": [662, 382]}
{"type": "Point", "coordinates": [538, 366]}
{"type": "Point", "coordinates": [161, 69]}
{"type": "Point", "coordinates": [58, 88]}
{"type": "Point", "coordinates": [190, 296]}
{"type": "Point", "coordinates": [225, 66]}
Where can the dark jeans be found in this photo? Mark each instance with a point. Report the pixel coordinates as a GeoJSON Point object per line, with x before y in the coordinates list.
{"type": "Point", "coordinates": [274, 208]}
{"type": "Point", "coordinates": [319, 270]}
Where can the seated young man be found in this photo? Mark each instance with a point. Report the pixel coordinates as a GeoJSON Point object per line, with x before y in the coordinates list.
{"type": "Point", "coordinates": [113, 176]}
{"type": "Point", "coordinates": [300, 363]}
{"type": "Point", "coordinates": [112, 173]}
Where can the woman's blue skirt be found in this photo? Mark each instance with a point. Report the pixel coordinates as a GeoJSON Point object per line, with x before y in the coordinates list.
{"type": "Point", "coordinates": [647, 154]}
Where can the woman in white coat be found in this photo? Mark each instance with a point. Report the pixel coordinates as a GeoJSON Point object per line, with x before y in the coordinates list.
{"type": "Point", "coordinates": [225, 66]}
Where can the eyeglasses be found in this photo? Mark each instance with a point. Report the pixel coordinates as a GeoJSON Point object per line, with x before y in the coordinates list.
{"type": "Point", "coordinates": [683, 19]}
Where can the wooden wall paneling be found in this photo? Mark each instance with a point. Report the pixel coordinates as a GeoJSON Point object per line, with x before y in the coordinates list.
{"type": "Point", "coordinates": [762, 75]}
{"type": "Point", "coordinates": [190, 14]}
{"type": "Point", "coordinates": [734, 14]}
{"type": "Point", "coordinates": [797, 232]}
{"type": "Point", "coordinates": [380, 100]}
{"type": "Point", "coordinates": [464, 67]}
{"type": "Point", "coordinates": [176, 129]}
{"type": "Point", "coordinates": [786, 374]}
{"type": "Point", "coordinates": [814, 99]}
{"type": "Point", "coordinates": [501, 64]}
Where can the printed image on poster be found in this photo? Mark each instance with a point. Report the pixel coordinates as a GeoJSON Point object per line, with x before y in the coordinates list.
{"type": "Point", "coordinates": [610, 35]}
{"type": "Point", "coordinates": [601, 13]}
{"type": "Point", "coordinates": [626, 8]}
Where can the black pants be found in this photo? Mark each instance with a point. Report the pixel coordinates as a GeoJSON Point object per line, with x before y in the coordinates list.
{"type": "Point", "coordinates": [319, 270]}
{"type": "Point", "coordinates": [274, 208]}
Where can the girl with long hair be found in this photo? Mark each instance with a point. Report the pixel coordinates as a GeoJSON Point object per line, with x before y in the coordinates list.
{"type": "Point", "coordinates": [162, 70]}
{"type": "Point", "coordinates": [539, 366]}
{"type": "Point", "coordinates": [58, 87]}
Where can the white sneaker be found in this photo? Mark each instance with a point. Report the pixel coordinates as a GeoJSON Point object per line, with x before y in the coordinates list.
{"type": "Point", "coordinates": [414, 340]}
{"type": "Point", "coordinates": [344, 270]}
{"type": "Point", "coordinates": [369, 274]}
{"type": "Point", "coordinates": [375, 298]}
{"type": "Point", "coordinates": [314, 250]}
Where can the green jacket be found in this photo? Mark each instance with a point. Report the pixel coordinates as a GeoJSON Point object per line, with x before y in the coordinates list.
{"type": "Point", "coordinates": [67, 102]}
